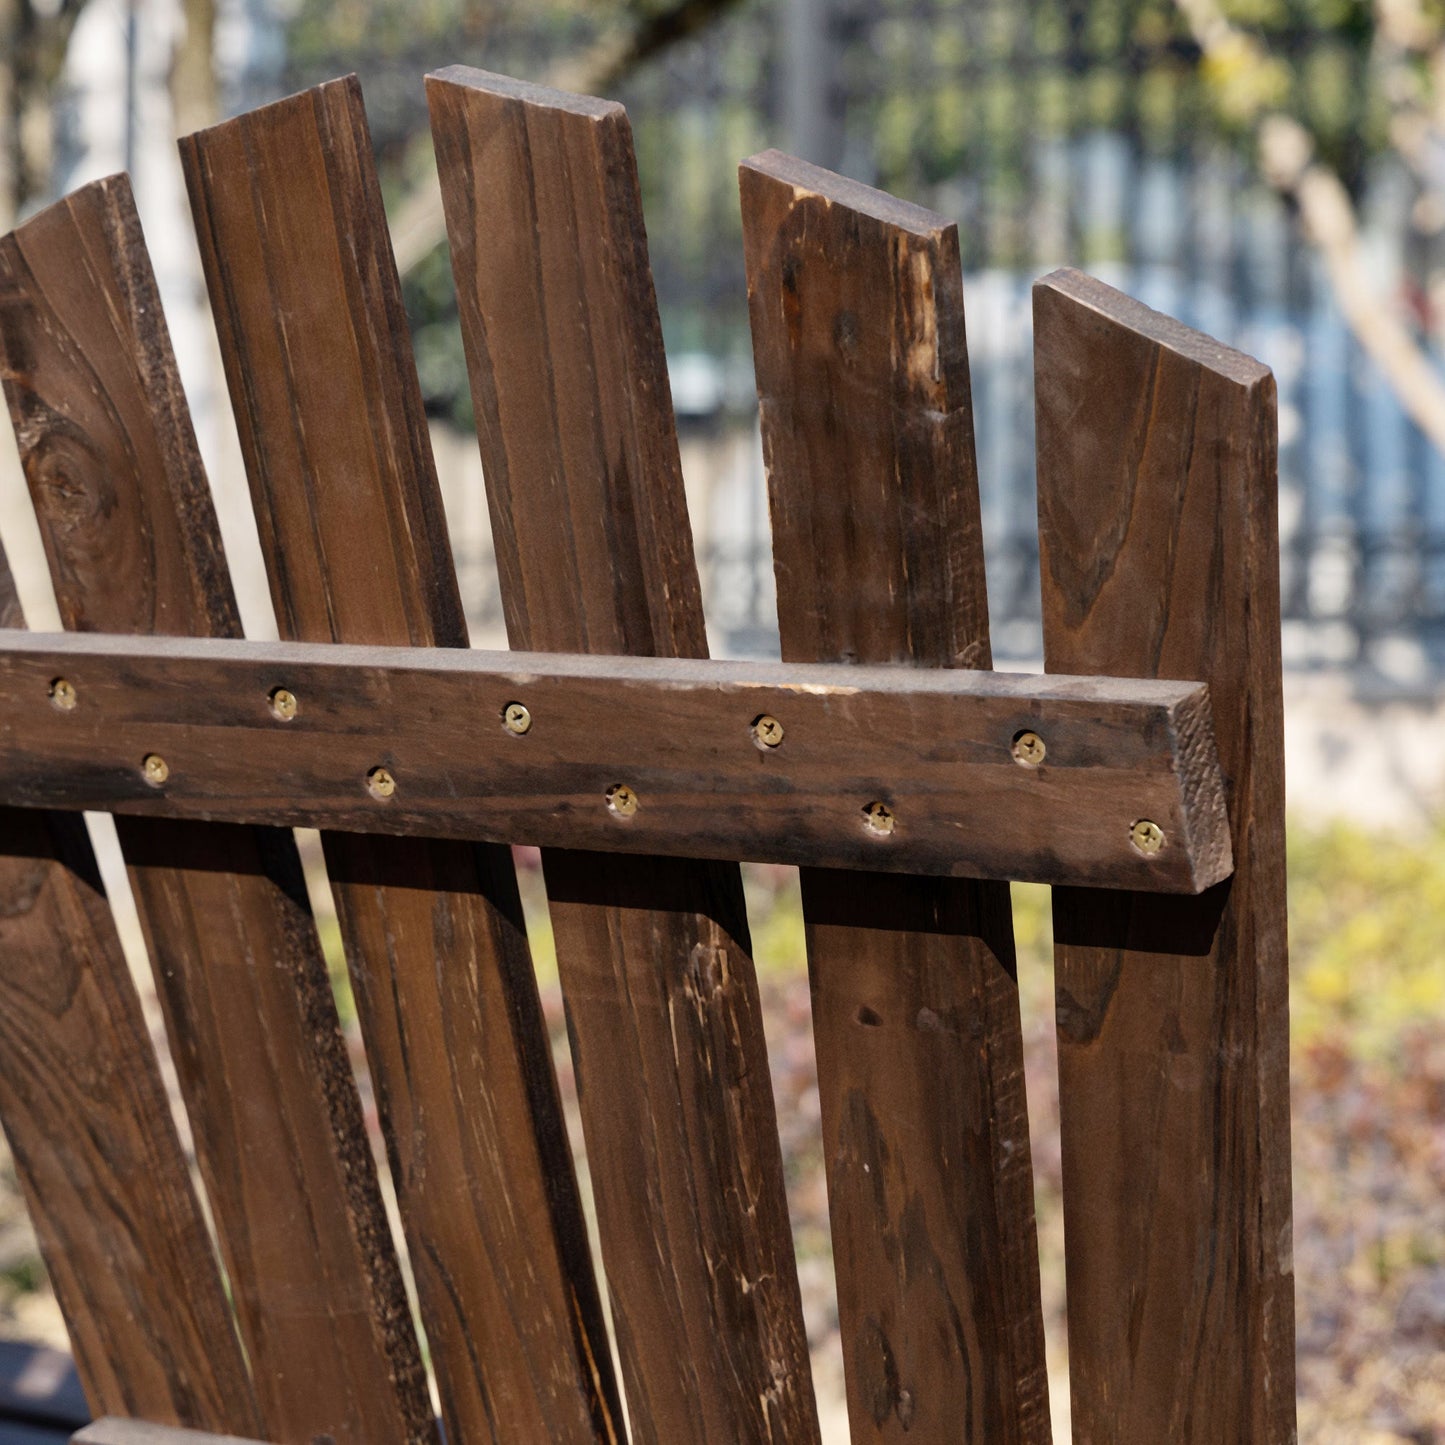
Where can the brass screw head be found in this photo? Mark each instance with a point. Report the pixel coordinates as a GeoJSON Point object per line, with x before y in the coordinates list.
{"type": "Point", "coordinates": [283, 704]}
{"type": "Point", "coordinates": [380, 783]}
{"type": "Point", "coordinates": [154, 769]}
{"type": "Point", "coordinates": [1147, 837]}
{"type": "Point", "coordinates": [516, 718]}
{"type": "Point", "coordinates": [62, 695]}
{"type": "Point", "coordinates": [622, 800]}
{"type": "Point", "coordinates": [879, 818]}
{"type": "Point", "coordinates": [768, 731]}
{"type": "Point", "coordinates": [1029, 750]}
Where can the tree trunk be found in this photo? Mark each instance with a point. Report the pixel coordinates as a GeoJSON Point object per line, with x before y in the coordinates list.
{"type": "Point", "coordinates": [32, 56]}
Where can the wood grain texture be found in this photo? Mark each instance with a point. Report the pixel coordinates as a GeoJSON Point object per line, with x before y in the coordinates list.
{"type": "Point", "coordinates": [857, 316]}
{"type": "Point", "coordinates": [936, 746]}
{"type": "Point", "coordinates": [575, 422]}
{"type": "Point", "coordinates": [95, 1148]}
{"type": "Point", "coordinates": [1158, 525]}
{"type": "Point", "coordinates": [317, 355]}
{"type": "Point", "coordinates": [126, 516]}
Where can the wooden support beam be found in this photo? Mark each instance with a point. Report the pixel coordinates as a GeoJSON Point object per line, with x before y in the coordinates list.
{"type": "Point", "coordinates": [111, 1431]}
{"type": "Point", "coordinates": [937, 751]}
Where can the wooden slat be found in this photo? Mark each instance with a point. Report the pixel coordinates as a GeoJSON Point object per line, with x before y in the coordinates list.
{"type": "Point", "coordinates": [90, 1129]}
{"type": "Point", "coordinates": [128, 525]}
{"type": "Point", "coordinates": [575, 419]}
{"type": "Point", "coordinates": [1158, 524]}
{"type": "Point", "coordinates": [314, 337]}
{"type": "Point", "coordinates": [857, 315]}
{"type": "Point", "coordinates": [936, 746]}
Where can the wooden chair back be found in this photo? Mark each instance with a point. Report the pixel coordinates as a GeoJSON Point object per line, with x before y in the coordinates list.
{"type": "Point", "coordinates": [881, 755]}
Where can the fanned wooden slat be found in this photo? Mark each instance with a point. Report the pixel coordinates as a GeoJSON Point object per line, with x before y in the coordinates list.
{"type": "Point", "coordinates": [83, 1106]}
{"type": "Point", "coordinates": [857, 316]}
{"type": "Point", "coordinates": [308, 305]}
{"type": "Point", "coordinates": [1158, 527]}
{"type": "Point", "coordinates": [564, 349]}
{"type": "Point", "coordinates": [126, 517]}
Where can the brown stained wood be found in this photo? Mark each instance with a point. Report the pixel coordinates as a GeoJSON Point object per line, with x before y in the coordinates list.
{"type": "Point", "coordinates": [858, 332]}
{"type": "Point", "coordinates": [95, 1148]}
{"type": "Point", "coordinates": [1158, 524]}
{"type": "Point", "coordinates": [314, 337]}
{"type": "Point", "coordinates": [126, 516]}
{"type": "Point", "coordinates": [937, 747]}
{"type": "Point", "coordinates": [575, 422]}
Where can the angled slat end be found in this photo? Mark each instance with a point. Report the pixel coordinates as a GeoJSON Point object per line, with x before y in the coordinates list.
{"type": "Point", "coordinates": [485, 82]}
{"type": "Point", "coordinates": [347, 87]}
{"type": "Point", "coordinates": [856, 306]}
{"type": "Point", "coordinates": [1078, 289]}
{"type": "Point", "coordinates": [87, 355]}
{"type": "Point", "coordinates": [810, 182]}
{"type": "Point", "coordinates": [107, 191]}
{"type": "Point", "coordinates": [576, 424]}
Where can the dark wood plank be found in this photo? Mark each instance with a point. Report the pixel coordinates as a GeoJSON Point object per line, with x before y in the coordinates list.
{"type": "Point", "coordinates": [938, 747]}
{"type": "Point", "coordinates": [856, 303]}
{"type": "Point", "coordinates": [564, 350]}
{"type": "Point", "coordinates": [1158, 523]}
{"type": "Point", "coordinates": [126, 516]}
{"type": "Point", "coordinates": [95, 1148]}
{"type": "Point", "coordinates": [309, 310]}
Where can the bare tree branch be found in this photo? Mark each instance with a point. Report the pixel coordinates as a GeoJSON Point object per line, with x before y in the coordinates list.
{"type": "Point", "coordinates": [1289, 163]}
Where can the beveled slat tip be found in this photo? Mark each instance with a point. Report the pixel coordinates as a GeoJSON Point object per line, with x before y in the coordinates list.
{"type": "Point", "coordinates": [1133, 315]}
{"type": "Point", "coordinates": [804, 176]}
{"type": "Point", "coordinates": [249, 119]}
{"type": "Point", "coordinates": [469, 78]}
{"type": "Point", "coordinates": [39, 222]}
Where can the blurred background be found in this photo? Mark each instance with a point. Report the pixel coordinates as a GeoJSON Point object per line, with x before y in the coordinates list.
{"type": "Point", "coordinates": [1271, 171]}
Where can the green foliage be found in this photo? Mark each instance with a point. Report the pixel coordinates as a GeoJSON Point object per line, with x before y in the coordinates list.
{"type": "Point", "coordinates": [25, 1276]}
{"type": "Point", "coordinates": [321, 28]}
{"type": "Point", "coordinates": [431, 307]}
{"type": "Point", "coordinates": [1366, 913]}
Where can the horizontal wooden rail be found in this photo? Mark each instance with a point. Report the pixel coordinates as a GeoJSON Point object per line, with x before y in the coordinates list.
{"type": "Point", "coordinates": [112, 1431]}
{"type": "Point", "coordinates": [1091, 781]}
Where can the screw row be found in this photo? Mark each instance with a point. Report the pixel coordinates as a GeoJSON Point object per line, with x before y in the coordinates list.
{"type": "Point", "coordinates": [1028, 748]}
